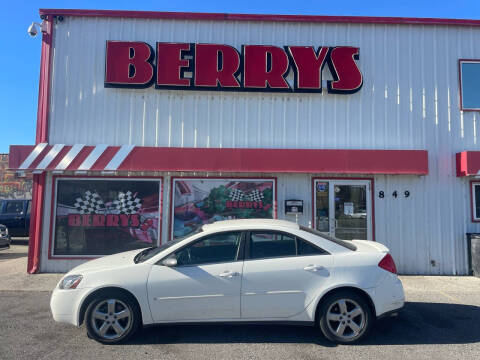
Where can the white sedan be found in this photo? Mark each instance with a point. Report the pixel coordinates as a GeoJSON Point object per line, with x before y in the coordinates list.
{"type": "Point", "coordinates": [235, 271]}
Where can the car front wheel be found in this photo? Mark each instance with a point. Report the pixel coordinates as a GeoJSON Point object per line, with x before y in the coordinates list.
{"type": "Point", "coordinates": [345, 317]}
{"type": "Point", "coordinates": [112, 318]}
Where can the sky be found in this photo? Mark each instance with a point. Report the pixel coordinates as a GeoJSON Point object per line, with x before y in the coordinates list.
{"type": "Point", "coordinates": [20, 58]}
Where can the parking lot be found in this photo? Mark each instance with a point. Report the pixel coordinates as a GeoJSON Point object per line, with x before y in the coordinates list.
{"type": "Point", "coordinates": [441, 320]}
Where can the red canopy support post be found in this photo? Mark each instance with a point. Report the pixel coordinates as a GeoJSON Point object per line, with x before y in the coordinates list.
{"type": "Point", "coordinates": [38, 190]}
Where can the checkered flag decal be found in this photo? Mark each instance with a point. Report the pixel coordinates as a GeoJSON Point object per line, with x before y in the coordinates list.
{"type": "Point", "coordinates": [256, 195]}
{"type": "Point", "coordinates": [127, 203]}
{"type": "Point", "coordinates": [236, 195]}
{"type": "Point", "coordinates": [91, 203]}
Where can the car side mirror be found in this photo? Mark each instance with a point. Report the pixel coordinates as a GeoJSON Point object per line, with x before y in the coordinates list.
{"type": "Point", "coordinates": [170, 262]}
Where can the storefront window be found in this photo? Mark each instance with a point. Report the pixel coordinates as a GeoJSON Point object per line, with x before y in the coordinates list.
{"type": "Point", "coordinates": [104, 216]}
{"type": "Point", "coordinates": [201, 201]}
{"type": "Point", "coordinates": [476, 200]}
{"type": "Point", "coordinates": [470, 84]}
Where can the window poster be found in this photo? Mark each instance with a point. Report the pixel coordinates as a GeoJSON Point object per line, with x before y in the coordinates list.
{"type": "Point", "coordinates": [200, 201]}
{"type": "Point", "coordinates": [104, 216]}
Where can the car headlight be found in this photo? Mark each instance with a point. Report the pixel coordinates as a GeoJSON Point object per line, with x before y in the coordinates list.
{"type": "Point", "coordinates": [70, 282]}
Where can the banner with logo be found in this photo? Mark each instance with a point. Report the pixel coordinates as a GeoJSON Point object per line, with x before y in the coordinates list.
{"type": "Point", "coordinates": [200, 201]}
{"type": "Point", "coordinates": [105, 216]}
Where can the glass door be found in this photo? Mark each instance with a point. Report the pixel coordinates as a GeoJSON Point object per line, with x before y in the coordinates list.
{"type": "Point", "coordinates": [343, 208]}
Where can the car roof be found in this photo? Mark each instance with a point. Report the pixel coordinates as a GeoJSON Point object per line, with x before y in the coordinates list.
{"type": "Point", "coordinates": [249, 224]}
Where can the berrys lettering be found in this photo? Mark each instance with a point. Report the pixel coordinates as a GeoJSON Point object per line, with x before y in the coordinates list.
{"type": "Point", "coordinates": [110, 220]}
{"type": "Point", "coordinates": [186, 66]}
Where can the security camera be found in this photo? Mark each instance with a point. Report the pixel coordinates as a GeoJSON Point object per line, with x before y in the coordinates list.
{"type": "Point", "coordinates": [32, 30]}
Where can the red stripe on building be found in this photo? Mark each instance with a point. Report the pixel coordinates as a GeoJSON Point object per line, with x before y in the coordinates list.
{"type": "Point", "coordinates": [40, 157]}
{"type": "Point", "coordinates": [38, 188]}
{"type": "Point", "coordinates": [248, 160]}
{"type": "Point", "coordinates": [277, 160]}
{"type": "Point", "coordinates": [79, 159]}
{"type": "Point", "coordinates": [259, 17]}
{"type": "Point", "coordinates": [105, 158]}
{"type": "Point", "coordinates": [18, 154]}
{"type": "Point", "coordinates": [53, 164]}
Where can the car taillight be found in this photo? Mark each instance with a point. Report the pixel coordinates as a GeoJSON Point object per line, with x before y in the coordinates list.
{"type": "Point", "coordinates": [388, 264]}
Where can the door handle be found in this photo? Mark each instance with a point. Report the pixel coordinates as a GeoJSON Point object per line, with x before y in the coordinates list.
{"type": "Point", "coordinates": [313, 267]}
{"type": "Point", "coordinates": [229, 274]}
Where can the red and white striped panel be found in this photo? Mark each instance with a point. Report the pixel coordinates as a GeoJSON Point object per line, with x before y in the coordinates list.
{"type": "Point", "coordinates": [78, 157]}
{"type": "Point", "coordinates": [81, 159]}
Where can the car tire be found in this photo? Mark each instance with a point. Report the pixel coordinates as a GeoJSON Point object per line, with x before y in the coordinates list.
{"type": "Point", "coordinates": [112, 317]}
{"type": "Point", "coordinates": [345, 317]}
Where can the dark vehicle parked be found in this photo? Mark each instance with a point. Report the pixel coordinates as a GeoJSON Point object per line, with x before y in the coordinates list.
{"type": "Point", "coordinates": [5, 238]}
{"type": "Point", "coordinates": [15, 215]}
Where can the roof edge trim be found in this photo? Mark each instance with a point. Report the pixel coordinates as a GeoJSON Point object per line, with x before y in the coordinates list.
{"type": "Point", "coordinates": [260, 17]}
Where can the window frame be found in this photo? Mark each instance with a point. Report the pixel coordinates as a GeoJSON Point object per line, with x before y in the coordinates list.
{"type": "Point", "coordinates": [297, 238]}
{"type": "Point", "coordinates": [240, 252]}
{"type": "Point", "coordinates": [53, 210]}
{"type": "Point", "coordinates": [460, 84]}
{"type": "Point", "coordinates": [473, 185]}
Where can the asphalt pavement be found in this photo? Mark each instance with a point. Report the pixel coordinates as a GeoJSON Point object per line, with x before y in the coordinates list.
{"type": "Point", "coordinates": [441, 320]}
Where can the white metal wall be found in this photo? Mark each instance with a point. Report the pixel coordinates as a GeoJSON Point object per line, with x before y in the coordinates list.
{"type": "Point", "coordinates": [409, 100]}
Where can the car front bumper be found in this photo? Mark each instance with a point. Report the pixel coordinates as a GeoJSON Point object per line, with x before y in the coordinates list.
{"type": "Point", "coordinates": [65, 304]}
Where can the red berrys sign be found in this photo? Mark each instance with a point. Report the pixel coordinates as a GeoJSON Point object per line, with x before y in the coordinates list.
{"type": "Point", "coordinates": [186, 66]}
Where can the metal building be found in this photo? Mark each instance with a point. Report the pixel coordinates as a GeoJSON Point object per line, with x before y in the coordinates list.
{"type": "Point", "coordinates": [367, 136]}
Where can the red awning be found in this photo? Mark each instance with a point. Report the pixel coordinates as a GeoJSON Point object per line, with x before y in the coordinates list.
{"type": "Point", "coordinates": [78, 158]}
{"type": "Point", "coordinates": [468, 163]}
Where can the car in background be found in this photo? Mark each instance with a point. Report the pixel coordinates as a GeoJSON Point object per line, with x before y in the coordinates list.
{"type": "Point", "coordinates": [256, 270]}
{"type": "Point", "coordinates": [5, 239]}
{"type": "Point", "coordinates": [15, 215]}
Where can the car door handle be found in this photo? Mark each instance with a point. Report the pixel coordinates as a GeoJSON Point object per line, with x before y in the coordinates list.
{"type": "Point", "coordinates": [313, 267]}
{"type": "Point", "coordinates": [229, 274]}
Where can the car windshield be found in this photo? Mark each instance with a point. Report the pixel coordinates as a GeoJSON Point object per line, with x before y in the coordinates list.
{"type": "Point", "coordinates": [150, 252]}
{"type": "Point", "coordinates": [340, 242]}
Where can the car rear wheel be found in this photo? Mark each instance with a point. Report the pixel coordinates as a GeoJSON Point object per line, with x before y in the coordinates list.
{"type": "Point", "coordinates": [112, 318]}
{"type": "Point", "coordinates": [345, 317]}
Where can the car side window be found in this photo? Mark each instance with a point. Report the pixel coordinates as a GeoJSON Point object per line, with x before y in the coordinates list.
{"type": "Point", "coordinates": [218, 248]}
{"type": "Point", "coordinates": [264, 244]}
{"type": "Point", "coordinates": [307, 248]}
{"type": "Point", "coordinates": [269, 244]}
{"type": "Point", "coordinates": [14, 207]}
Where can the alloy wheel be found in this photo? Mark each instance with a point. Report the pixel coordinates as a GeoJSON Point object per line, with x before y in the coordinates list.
{"type": "Point", "coordinates": [345, 318]}
{"type": "Point", "coordinates": [111, 319]}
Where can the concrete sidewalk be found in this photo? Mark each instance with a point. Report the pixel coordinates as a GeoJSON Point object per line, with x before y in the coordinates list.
{"type": "Point", "coordinates": [13, 271]}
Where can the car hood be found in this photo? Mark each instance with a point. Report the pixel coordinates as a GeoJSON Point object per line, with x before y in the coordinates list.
{"type": "Point", "coordinates": [110, 261]}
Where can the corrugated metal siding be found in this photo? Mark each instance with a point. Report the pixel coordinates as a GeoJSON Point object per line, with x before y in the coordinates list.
{"type": "Point", "coordinates": [409, 101]}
